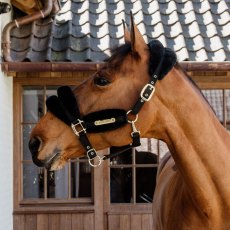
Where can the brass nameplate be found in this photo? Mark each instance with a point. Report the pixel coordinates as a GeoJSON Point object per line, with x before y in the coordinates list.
{"type": "Point", "coordinates": [105, 122]}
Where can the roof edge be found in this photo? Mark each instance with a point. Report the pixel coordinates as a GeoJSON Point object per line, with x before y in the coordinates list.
{"type": "Point", "coordinates": [188, 66]}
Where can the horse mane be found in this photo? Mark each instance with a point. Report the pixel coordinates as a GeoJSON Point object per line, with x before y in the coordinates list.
{"type": "Point", "coordinates": [193, 83]}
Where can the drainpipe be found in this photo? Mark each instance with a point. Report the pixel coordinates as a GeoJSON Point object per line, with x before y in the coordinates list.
{"type": "Point", "coordinates": [48, 6]}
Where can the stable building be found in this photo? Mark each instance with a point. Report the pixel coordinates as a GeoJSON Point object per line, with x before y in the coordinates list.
{"type": "Point", "coordinates": [50, 43]}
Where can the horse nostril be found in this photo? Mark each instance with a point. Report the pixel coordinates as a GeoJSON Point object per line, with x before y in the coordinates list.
{"type": "Point", "coordinates": [34, 145]}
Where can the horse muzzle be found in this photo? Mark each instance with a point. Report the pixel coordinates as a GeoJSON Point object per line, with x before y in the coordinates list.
{"type": "Point", "coordinates": [34, 146]}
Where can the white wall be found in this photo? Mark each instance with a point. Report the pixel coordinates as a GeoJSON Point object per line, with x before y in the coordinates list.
{"type": "Point", "coordinates": [6, 142]}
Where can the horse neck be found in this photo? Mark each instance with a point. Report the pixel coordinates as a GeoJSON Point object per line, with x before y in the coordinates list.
{"type": "Point", "coordinates": [196, 139]}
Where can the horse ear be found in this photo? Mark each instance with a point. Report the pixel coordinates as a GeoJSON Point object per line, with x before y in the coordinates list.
{"type": "Point", "coordinates": [126, 33]}
{"type": "Point", "coordinates": [137, 41]}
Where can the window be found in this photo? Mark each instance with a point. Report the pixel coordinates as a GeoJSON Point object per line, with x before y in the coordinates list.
{"type": "Point", "coordinates": [133, 173]}
{"type": "Point", "coordinates": [73, 182]}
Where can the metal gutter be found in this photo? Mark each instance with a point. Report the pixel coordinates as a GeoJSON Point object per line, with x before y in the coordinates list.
{"type": "Point", "coordinates": [48, 6]}
{"type": "Point", "coordinates": [94, 66]}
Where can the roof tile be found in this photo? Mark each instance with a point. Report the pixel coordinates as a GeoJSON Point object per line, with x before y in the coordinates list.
{"type": "Point", "coordinates": [79, 7]}
{"type": "Point", "coordinates": [205, 18]}
{"type": "Point", "coordinates": [201, 6]}
{"type": "Point", "coordinates": [97, 7]}
{"type": "Point", "coordinates": [152, 19]}
{"type": "Point", "coordinates": [200, 55]}
{"type": "Point", "coordinates": [208, 30]}
{"type": "Point", "coordinates": [224, 31]}
{"type": "Point", "coordinates": [185, 7]}
{"type": "Point", "coordinates": [219, 8]}
{"type": "Point", "coordinates": [226, 43]}
{"type": "Point", "coordinates": [169, 19]}
{"type": "Point", "coordinates": [176, 43]}
{"type": "Point", "coordinates": [150, 7]}
{"type": "Point", "coordinates": [167, 7]}
{"type": "Point", "coordinates": [213, 43]}
{"type": "Point", "coordinates": [156, 31]}
{"type": "Point", "coordinates": [116, 8]}
{"type": "Point", "coordinates": [182, 54]}
{"type": "Point", "coordinates": [191, 30]}
{"type": "Point", "coordinates": [195, 44]}
{"type": "Point", "coordinates": [218, 55]}
{"type": "Point", "coordinates": [22, 32]}
{"type": "Point", "coordinates": [187, 17]}
{"type": "Point", "coordinates": [116, 19]}
{"type": "Point", "coordinates": [173, 31]}
{"type": "Point", "coordinates": [222, 18]}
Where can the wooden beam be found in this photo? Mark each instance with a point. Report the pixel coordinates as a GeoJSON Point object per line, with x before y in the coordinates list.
{"type": "Point", "coordinates": [94, 66]}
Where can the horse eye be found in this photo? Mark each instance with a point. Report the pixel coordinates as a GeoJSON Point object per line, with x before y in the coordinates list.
{"type": "Point", "coordinates": [101, 81]}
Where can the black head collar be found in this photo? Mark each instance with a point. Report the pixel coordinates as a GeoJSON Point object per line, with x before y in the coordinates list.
{"type": "Point", "coordinates": [64, 106]}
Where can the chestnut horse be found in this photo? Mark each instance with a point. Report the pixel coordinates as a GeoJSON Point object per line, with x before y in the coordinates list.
{"type": "Point", "coordinates": [193, 184]}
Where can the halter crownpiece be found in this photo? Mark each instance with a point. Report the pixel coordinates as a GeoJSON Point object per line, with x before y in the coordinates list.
{"type": "Point", "coordinates": [65, 107]}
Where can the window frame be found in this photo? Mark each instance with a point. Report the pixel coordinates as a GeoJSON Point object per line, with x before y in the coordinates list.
{"type": "Point", "coordinates": [41, 204]}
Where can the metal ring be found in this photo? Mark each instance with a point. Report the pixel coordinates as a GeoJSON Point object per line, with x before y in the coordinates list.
{"type": "Point", "coordinates": [131, 121]}
{"type": "Point", "coordinates": [99, 163]}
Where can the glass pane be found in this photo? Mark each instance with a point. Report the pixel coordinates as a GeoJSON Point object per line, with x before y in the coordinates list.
{"type": "Point", "coordinates": [121, 185]}
{"type": "Point", "coordinates": [33, 104]}
{"type": "Point", "coordinates": [51, 90]}
{"type": "Point", "coordinates": [148, 145]}
{"type": "Point", "coordinates": [26, 134]}
{"type": "Point", "coordinates": [81, 175]}
{"type": "Point", "coordinates": [33, 183]}
{"type": "Point", "coordinates": [145, 184]}
{"type": "Point", "coordinates": [146, 158]}
{"type": "Point", "coordinates": [57, 183]}
{"type": "Point", "coordinates": [121, 159]}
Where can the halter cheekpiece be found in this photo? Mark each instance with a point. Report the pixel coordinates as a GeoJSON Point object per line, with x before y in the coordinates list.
{"type": "Point", "coordinates": [64, 106]}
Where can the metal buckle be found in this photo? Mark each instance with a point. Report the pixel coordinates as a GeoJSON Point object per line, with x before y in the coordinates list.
{"type": "Point", "coordinates": [81, 126]}
{"type": "Point", "coordinates": [145, 95]}
{"type": "Point", "coordinates": [92, 156]}
{"type": "Point", "coordinates": [91, 153]}
{"type": "Point", "coordinates": [99, 161]}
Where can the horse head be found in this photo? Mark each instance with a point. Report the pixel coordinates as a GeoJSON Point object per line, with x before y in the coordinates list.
{"type": "Point", "coordinates": [117, 85]}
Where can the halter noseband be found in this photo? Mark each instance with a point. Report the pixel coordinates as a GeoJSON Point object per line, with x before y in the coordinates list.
{"type": "Point", "coordinates": [65, 107]}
